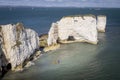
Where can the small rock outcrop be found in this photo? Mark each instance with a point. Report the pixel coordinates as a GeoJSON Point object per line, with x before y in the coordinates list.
{"type": "Point", "coordinates": [101, 23]}
{"type": "Point", "coordinates": [43, 40]}
{"type": "Point", "coordinates": [18, 44]}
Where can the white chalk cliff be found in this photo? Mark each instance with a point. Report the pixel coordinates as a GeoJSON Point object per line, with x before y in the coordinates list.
{"type": "Point", "coordinates": [101, 23]}
{"type": "Point", "coordinates": [53, 34]}
{"type": "Point", "coordinates": [18, 43]}
{"type": "Point", "coordinates": [80, 28]}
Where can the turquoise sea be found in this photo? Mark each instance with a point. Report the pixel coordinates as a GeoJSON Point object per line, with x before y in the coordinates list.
{"type": "Point", "coordinates": [77, 61]}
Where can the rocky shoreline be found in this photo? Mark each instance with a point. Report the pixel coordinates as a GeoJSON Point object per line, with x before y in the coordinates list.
{"type": "Point", "coordinates": [20, 46]}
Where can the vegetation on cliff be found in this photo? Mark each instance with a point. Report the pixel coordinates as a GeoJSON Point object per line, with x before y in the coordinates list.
{"type": "Point", "coordinates": [43, 40]}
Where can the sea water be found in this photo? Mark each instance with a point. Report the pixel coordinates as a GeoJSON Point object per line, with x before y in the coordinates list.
{"type": "Point", "coordinates": [75, 61]}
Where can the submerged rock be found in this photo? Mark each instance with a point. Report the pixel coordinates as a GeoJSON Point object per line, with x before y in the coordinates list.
{"type": "Point", "coordinates": [101, 23]}
{"type": "Point", "coordinates": [18, 44]}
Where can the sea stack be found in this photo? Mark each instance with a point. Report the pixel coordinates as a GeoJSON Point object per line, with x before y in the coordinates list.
{"type": "Point", "coordinates": [101, 23]}
{"type": "Point", "coordinates": [74, 29]}
{"type": "Point", "coordinates": [17, 45]}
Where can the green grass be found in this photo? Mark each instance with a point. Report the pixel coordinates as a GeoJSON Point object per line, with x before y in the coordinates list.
{"type": "Point", "coordinates": [18, 43]}
{"type": "Point", "coordinates": [19, 28]}
{"type": "Point", "coordinates": [101, 16]}
{"type": "Point", "coordinates": [82, 16]}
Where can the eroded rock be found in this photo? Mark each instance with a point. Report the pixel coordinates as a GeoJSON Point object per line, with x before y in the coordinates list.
{"type": "Point", "coordinates": [18, 44]}
{"type": "Point", "coordinates": [43, 40]}
{"type": "Point", "coordinates": [74, 29]}
{"type": "Point", "coordinates": [101, 23]}
{"type": "Point", "coordinates": [78, 28]}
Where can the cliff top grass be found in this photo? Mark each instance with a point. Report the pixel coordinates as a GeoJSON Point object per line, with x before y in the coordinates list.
{"type": "Point", "coordinates": [91, 15]}
{"type": "Point", "coordinates": [101, 16]}
{"type": "Point", "coordinates": [18, 43]}
{"type": "Point", "coordinates": [19, 27]}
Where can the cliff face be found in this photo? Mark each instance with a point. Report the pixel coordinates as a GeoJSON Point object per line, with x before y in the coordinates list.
{"type": "Point", "coordinates": [81, 28]}
{"type": "Point", "coordinates": [53, 34]}
{"type": "Point", "coordinates": [74, 29]}
{"type": "Point", "coordinates": [18, 43]}
{"type": "Point", "coordinates": [101, 23]}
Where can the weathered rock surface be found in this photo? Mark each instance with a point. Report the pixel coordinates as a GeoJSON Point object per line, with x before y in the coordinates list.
{"type": "Point", "coordinates": [101, 23]}
{"type": "Point", "coordinates": [74, 29]}
{"type": "Point", "coordinates": [50, 43]}
{"type": "Point", "coordinates": [43, 40]}
{"type": "Point", "coordinates": [53, 34]}
{"type": "Point", "coordinates": [18, 44]}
